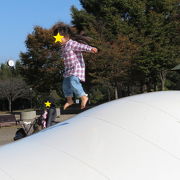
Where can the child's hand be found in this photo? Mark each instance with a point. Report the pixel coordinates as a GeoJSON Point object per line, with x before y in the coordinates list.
{"type": "Point", "coordinates": [94, 50]}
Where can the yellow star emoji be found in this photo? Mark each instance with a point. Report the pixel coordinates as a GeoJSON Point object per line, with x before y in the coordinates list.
{"type": "Point", "coordinates": [48, 104]}
{"type": "Point", "coordinates": [58, 38]}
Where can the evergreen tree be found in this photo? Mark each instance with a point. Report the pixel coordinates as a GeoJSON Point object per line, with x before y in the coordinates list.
{"type": "Point", "coordinates": [150, 25]}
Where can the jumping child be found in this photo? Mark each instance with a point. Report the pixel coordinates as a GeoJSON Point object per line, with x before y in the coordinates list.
{"type": "Point", "coordinates": [74, 71]}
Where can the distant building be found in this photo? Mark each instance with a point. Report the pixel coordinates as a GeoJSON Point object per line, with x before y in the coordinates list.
{"type": "Point", "coordinates": [176, 68]}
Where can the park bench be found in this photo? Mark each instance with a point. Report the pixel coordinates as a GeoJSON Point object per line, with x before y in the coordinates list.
{"type": "Point", "coordinates": [8, 120]}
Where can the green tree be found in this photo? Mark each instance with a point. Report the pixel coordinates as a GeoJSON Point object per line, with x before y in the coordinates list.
{"type": "Point", "coordinates": [150, 24]}
{"type": "Point", "coordinates": [111, 66]}
{"type": "Point", "coordinates": [158, 36]}
{"type": "Point", "coordinates": [12, 85]}
{"type": "Point", "coordinates": [41, 65]}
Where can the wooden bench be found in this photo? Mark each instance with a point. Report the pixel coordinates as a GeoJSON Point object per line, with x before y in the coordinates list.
{"type": "Point", "coordinates": [8, 120]}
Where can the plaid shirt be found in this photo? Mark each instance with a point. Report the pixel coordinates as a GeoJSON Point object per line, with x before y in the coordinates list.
{"type": "Point", "coordinates": [73, 59]}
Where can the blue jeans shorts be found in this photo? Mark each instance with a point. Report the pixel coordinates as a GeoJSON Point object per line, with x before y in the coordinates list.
{"type": "Point", "coordinates": [72, 85]}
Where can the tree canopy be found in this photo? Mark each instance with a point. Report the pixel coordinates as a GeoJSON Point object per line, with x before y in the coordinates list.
{"type": "Point", "coordinates": [41, 65]}
{"type": "Point", "coordinates": [151, 25]}
{"type": "Point", "coordinates": [12, 85]}
{"type": "Point", "coordinates": [138, 43]}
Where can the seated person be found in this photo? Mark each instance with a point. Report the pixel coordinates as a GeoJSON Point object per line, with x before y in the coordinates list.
{"type": "Point", "coordinates": [49, 114]}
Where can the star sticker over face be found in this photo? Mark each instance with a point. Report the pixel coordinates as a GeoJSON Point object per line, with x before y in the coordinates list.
{"type": "Point", "coordinates": [58, 38]}
{"type": "Point", "coordinates": [48, 104]}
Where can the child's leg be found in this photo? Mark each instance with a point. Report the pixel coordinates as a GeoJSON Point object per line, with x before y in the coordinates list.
{"type": "Point", "coordinates": [78, 90]}
{"type": "Point", "coordinates": [84, 100]}
{"type": "Point", "coordinates": [69, 102]}
{"type": "Point", "coordinates": [68, 92]}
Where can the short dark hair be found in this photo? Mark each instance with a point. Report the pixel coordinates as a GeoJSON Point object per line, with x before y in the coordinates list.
{"type": "Point", "coordinates": [62, 28]}
{"type": "Point", "coordinates": [51, 100]}
{"type": "Point", "coordinates": [70, 31]}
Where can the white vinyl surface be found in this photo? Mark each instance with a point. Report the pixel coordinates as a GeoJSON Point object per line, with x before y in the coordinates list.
{"type": "Point", "coordinates": [133, 138]}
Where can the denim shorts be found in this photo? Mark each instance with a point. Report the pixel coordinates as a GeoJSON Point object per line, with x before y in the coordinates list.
{"type": "Point", "coordinates": [72, 85]}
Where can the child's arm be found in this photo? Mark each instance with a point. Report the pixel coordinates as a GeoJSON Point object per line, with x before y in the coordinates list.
{"type": "Point", "coordinates": [44, 115]}
{"type": "Point", "coordinates": [75, 46]}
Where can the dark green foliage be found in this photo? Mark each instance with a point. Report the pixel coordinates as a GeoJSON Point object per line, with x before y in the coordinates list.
{"type": "Point", "coordinates": [138, 43]}
{"type": "Point", "coordinates": [147, 28]}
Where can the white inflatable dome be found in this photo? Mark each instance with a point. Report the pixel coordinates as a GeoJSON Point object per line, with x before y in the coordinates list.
{"type": "Point", "coordinates": [133, 138]}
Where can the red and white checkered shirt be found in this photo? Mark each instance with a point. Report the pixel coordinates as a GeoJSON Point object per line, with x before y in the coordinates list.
{"type": "Point", "coordinates": [73, 59]}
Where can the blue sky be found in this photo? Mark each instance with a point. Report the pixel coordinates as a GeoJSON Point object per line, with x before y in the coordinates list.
{"type": "Point", "coordinates": [18, 17]}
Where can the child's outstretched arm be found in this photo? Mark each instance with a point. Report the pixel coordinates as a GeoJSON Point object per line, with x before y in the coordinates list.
{"type": "Point", "coordinates": [94, 50]}
{"type": "Point", "coordinates": [76, 46]}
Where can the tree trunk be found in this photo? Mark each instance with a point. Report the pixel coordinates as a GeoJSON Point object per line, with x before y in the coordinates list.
{"type": "Point", "coordinates": [143, 87]}
{"type": "Point", "coordinates": [163, 79]}
{"type": "Point", "coordinates": [155, 86]}
{"type": "Point", "coordinates": [148, 85]}
{"type": "Point", "coordinates": [162, 84]}
{"type": "Point", "coordinates": [128, 90]}
{"type": "Point", "coordinates": [109, 94]}
{"type": "Point", "coordinates": [10, 105]}
{"type": "Point", "coordinates": [116, 92]}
